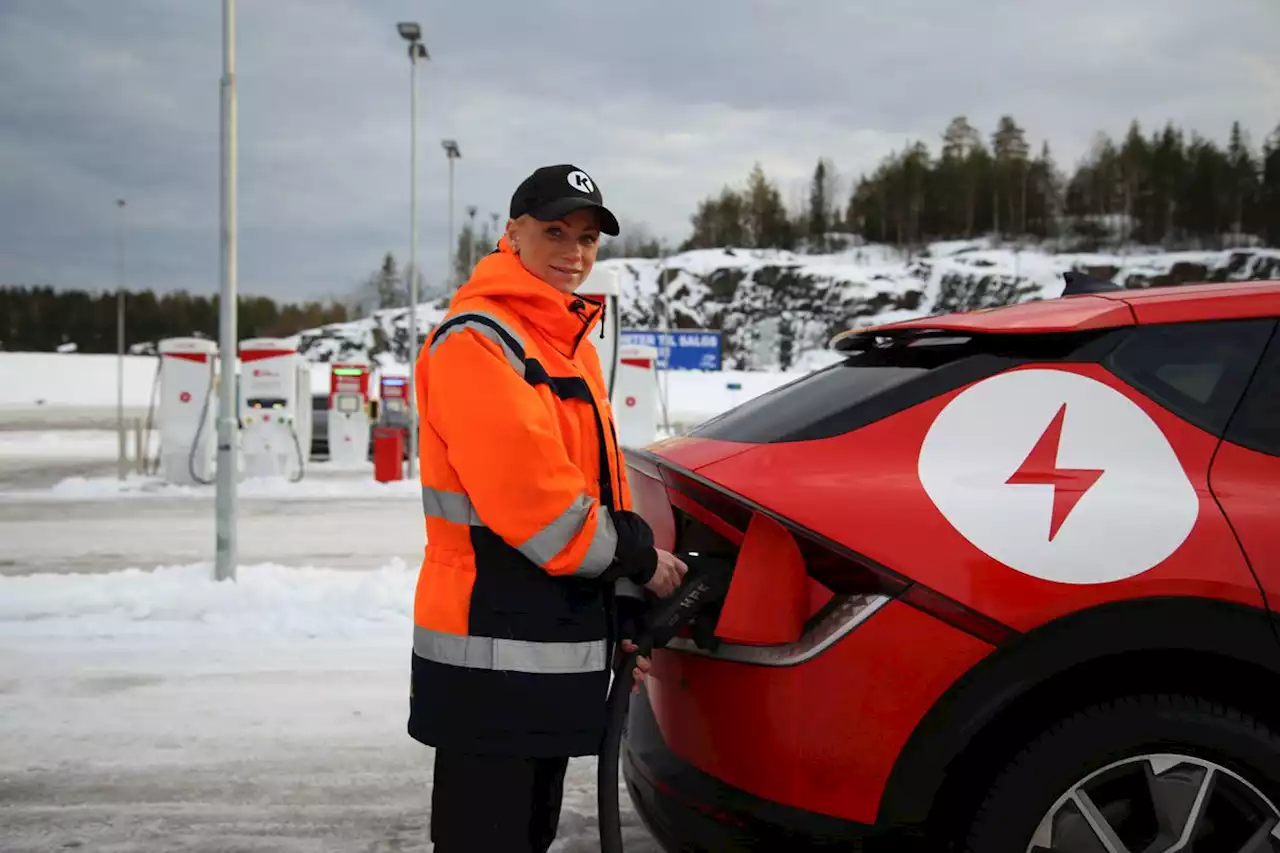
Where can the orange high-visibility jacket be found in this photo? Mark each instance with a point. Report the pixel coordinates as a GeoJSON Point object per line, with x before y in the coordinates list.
{"type": "Point", "coordinates": [529, 529]}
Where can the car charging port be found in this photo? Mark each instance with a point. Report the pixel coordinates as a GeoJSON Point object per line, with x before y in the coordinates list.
{"type": "Point", "coordinates": [832, 587]}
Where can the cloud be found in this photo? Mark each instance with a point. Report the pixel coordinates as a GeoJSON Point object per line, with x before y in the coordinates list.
{"type": "Point", "coordinates": [663, 103]}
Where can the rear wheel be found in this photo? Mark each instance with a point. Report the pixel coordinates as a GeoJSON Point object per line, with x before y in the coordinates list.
{"type": "Point", "coordinates": [1145, 774]}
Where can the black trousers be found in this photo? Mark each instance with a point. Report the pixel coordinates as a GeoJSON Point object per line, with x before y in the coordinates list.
{"type": "Point", "coordinates": [495, 803]}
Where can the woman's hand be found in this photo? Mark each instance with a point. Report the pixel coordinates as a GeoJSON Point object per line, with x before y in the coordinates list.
{"type": "Point", "coordinates": [642, 665]}
{"type": "Point", "coordinates": [670, 572]}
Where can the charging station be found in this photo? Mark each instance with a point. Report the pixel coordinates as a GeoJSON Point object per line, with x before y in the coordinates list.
{"type": "Point", "coordinates": [635, 395]}
{"type": "Point", "coordinates": [605, 283]}
{"type": "Point", "coordinates": [275, 408]}
{"type": "Point", "coordinates": [393, 408]}
{"type": "Point", "coordinates": [349, 413]}
{"type": "Point", "coordinates": [187, 379]}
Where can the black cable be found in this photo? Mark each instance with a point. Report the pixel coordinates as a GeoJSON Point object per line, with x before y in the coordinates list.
{"type": "Point", "coordinates": [618, 705]}
{"type": "Point", "coordinates": [297, 446]}
{"type": "Point", "coordinates": [704, 587]}
{"type": "Point", "coordinates": [147, 469]}
{"type": "Point", "coordinates": [195, 442]}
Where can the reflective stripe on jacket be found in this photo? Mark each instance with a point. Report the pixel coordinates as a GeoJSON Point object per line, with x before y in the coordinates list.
{"type": "Point", "coordinates": [527, 512]}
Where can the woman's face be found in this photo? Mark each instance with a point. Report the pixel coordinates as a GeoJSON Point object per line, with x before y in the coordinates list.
{"type": "Point", "coordinates": [560, 252]}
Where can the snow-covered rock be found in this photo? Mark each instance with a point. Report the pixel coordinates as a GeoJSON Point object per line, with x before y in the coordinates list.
{"type": "Point", "coordinates": [776, 307]}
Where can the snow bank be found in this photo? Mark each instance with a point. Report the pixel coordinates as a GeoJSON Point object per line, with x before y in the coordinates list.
{"type": "Point", "coordinates": [265, 601]}
{"type": "Point", "coordinates": [29, 379]}
{"type": "Point", "coordinates": [695, 396]}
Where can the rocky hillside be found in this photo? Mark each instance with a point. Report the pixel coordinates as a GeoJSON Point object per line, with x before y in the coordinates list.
{"type": "Point", "coordinates": [774, 306]}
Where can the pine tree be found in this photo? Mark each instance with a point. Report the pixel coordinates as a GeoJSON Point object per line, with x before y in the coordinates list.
{"type": "Point", "coordinates": [1242, 183]}
{"type": "Point", "coordinates": [1133, 161]}
{"type": "Point", "coordinates": [960, 143]}
{"type": "Point", "coordinates": [818, 220]}
{"type": "Point", "coordinates": [1269, 190]}
{"type": "Point", "coordinates": [1009, 145]}
{"type": "Point", "coordinates": [767, 221]}
{"type": "Point", "coordinates": [387, 283]}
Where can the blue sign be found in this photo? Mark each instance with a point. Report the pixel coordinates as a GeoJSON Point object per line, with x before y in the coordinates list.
{"type": "Point", "coordinates": [680, 349]}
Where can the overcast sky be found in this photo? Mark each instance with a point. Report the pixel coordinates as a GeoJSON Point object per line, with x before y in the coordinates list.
{"type": "Point", "coordinates": [661, 102]}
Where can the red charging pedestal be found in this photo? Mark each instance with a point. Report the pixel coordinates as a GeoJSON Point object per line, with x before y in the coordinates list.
{"type": "Point", "coordinates": [389, 437]}
{"type": "Point", "coordinates": [388, 454]}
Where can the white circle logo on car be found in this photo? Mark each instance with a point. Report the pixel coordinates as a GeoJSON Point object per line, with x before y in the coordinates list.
{"type": "Point", "coordinates": [1058, 476]}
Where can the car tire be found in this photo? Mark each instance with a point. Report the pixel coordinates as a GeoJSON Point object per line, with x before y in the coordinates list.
{"type": "Point", "coordinates": [1117, 737]}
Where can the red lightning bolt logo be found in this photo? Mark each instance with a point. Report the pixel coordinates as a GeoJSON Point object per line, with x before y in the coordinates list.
{"type": "Point", "coordinates": [1041, 468]}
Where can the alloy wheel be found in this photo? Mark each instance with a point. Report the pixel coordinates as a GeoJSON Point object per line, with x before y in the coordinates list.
{"type": "Point", "coordinates": [1160, 803]}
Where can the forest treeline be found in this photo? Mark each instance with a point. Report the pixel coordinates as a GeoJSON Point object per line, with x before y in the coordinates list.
{"type": "Point", "coordinates": [1169, 187]}
{"type": "Point", "coordinates": [41, 319]}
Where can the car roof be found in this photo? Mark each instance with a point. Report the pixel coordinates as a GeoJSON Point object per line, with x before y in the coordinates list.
{"type": "Point", "coordinates": [1110, 309]}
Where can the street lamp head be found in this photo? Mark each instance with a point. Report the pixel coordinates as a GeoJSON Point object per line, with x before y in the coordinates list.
{"type": "Point", "coordinates": [409, 30]}
{"type": "Point", "coordinates": [451, 148]}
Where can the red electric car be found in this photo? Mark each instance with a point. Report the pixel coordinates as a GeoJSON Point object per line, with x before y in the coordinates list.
{"type": "Point", "coordinates": [1004, 581]}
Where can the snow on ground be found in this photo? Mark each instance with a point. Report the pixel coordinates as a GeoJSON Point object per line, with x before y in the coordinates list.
{"type": "Point", "coordinates": [146, 707]}
{"type": "Point", "coordinates": [162, 711]}
{"type": "Point", "coordinates": [95, 524]}
{"type": "Point", "coordinates": [139, 486]}
{"type": "Point", "coordinates": [63, 444]}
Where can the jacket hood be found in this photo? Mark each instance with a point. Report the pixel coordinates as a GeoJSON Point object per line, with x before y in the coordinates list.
{"type": "Point", "coordinates": [565, 318]}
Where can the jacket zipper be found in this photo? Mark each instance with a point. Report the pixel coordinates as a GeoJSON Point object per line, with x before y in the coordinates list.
{"type": "Point", "coordinates": [577, 307]}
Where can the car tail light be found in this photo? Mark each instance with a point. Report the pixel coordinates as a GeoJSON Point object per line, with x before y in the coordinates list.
{"type": "Point", "coordinates": [712, 520]}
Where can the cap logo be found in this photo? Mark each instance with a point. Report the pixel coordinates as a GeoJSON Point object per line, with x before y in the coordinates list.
{"type": "Point", "coordinates": [581, 182]}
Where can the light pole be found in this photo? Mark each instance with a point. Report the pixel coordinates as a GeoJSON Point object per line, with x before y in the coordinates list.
{"type": "Point", "coordinates": [412, 33]}
{"type": "Point", "coordinates": [120, 439]}
{"type": "Point", "coordinates": [471, 238]}
{"type": "Point", "coordinates": [225, 498]}
{"type": "Point", "coordinates": [451, 151]}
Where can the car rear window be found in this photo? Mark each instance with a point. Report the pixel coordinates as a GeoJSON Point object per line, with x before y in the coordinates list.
{"type": "Point", "coordinates": [1256, 423]}
{"type": "Point", "coordinates": [1196, 370]}
{"type": "Point", "coordinates": [874, 384]}
{"type": "Point", "coordinates": [787, 412]}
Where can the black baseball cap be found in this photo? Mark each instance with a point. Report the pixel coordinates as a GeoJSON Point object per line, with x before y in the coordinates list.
{"type": "Point", "coordinates": [553, 191]}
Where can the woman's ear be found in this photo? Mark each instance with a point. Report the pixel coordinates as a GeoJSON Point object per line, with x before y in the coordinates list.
{"type": "Point", "coordinates": [512, 240]}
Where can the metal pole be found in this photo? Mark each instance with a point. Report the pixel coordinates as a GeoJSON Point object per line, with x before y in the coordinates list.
{"type": "Point", "coordinates": [471, 240]}
{"type": "Point", "coordinates": [225, 502]}
{"type": "Point", "coordinates": [453, 243]}
{"type": "Point", "coordinates": [121, 440]}
{"type": "Point", "coordinates": [413, 259]}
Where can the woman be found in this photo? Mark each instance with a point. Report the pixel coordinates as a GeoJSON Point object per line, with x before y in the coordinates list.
{"type": "Point", "coordinates": [529, 531]}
